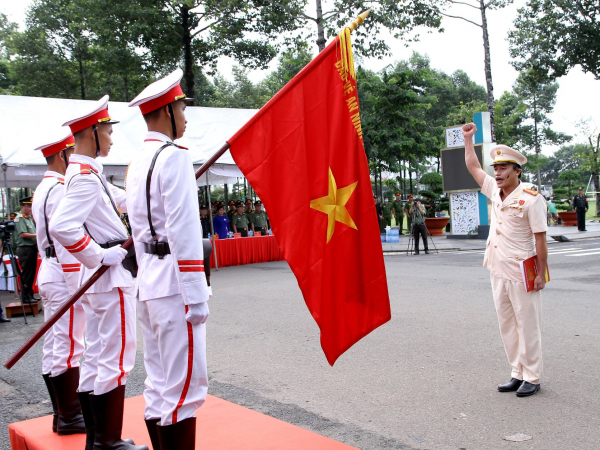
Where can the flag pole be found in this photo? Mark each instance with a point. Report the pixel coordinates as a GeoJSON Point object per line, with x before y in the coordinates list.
{"type": "Point", "coordinates": [83, 289]}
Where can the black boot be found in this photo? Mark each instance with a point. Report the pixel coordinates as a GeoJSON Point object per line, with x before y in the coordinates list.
{"type": "Point", "coordinates": [88, 418]}
{"type": "Point", "coordinates": [46, 377]}
{"type": "Point", "coordinates": [153, 432]}
{"type": "Point", "coordinates": [108, 421]}
{"type": "Point", "coordinates": [179, 436]}
{"type": "Point", "coordinates": [70, 419]}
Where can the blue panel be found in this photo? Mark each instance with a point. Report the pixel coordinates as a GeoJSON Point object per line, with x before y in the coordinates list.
{"type": "Point", "coordinates": [478, 121]}
{"type": "Point", "coordinates": [483, 210]}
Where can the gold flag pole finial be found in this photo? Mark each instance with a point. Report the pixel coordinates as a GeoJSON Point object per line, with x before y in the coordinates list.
{"type": "Point", "coordinates": [360, 19]}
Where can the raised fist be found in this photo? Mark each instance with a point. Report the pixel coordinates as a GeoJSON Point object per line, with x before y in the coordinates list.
{"type": "Point", "coordinates": [469, 130]}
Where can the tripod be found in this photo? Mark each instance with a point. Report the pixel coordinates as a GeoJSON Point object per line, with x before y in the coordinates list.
{"type": "Point", "coordinates": [411, 243]}
{"type": "Point", "coordinates": [7, 249]}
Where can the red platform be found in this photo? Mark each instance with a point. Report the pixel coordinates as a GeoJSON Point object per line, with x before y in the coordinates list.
{"type": "Point", "coordinates": [221, 425]}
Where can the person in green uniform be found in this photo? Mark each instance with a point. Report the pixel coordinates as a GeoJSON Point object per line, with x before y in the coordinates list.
{"type": "Point", "coordinates": [231, 211]}
{"type": "Point", "coordinates": [408, 214]}
{"type": "Point", "coordinates": [387, 213]}
{"type": "Point", "coordinates": [239, 224]}
{"type": "Point", "coordinates": [398, 211]}
{"type": "Point", "coordinates": [260, 220]}
{"type": "Point", "coordinates": [26, 243]}
{"type": "Point", "coordinates": [249, 211]}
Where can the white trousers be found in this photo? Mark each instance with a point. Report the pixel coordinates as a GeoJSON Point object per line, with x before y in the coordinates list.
{"type": "Point", "coordinates": [175, 360]}
{"type": "Point", "coordinates": [111, 340]}
{"type": "Point", "coordinates": [520, 319]}
{"type": "Point", "coordinates": [63, 343]}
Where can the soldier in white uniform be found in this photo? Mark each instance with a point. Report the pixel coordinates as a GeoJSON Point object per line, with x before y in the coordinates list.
{"type": "Point", "coordinates": [89, 225]}
{"type": "Point", "coordinates": [517, 232]}
{"type": "Point", "coordinates": [162, 200]}
{"type": "Point", "coordinates": [63, 343]}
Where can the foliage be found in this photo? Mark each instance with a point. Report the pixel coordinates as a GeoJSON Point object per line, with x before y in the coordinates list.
{"type": "Point", "coordinates": [570, 176]}
{"type": "Point", "coordinates": [557, 35]}
{"type": "Point", "coordinates": [589, 155]}
{"type": "Point", "coordinates": [433, 181]}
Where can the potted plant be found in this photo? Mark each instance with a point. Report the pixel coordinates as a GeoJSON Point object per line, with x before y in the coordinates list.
{"type": "Point", "coordinates": [434, 202]}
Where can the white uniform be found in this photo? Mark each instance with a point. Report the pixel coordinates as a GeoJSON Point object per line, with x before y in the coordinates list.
{"type": "Point", "coordinates": [514, 222]}
{"type": "Point", "coordinates": [174, 350]}
{"type": "Point", "coordinates": [58, 279]}
{"type": "Point", "coordinates": [110, 303]}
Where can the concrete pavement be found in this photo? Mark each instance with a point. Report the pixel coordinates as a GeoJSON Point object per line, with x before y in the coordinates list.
{"type": "Point", "coordinates": [444, 244]}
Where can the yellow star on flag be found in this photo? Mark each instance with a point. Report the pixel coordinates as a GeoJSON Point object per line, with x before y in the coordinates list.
{"type": "Point", "coordinates": [334, 205]}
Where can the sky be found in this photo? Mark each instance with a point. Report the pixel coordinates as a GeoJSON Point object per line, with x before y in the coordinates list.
{"type": "Point", "coordinates": [459, 47]}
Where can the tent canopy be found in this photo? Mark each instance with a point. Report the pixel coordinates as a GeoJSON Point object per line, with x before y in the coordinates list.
{"type": "Point", "coordinates": [26, 123]}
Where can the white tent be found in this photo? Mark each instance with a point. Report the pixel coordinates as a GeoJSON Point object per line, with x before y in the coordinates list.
{"type": "Point", "coordinates": [26, 122]}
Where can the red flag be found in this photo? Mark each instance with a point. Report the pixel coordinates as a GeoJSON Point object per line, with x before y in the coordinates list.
{"type": "Point", "coordinates": [303, 154]}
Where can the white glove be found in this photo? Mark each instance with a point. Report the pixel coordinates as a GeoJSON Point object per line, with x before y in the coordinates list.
{"type": "Point", "coordinates": [197, 314]}
{"type": "Point", "coordinates": [113, 256]}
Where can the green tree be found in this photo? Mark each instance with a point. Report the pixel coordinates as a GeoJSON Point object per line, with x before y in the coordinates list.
{"type": "Point", "coordinates": [397, 17]}
{"type": "Point", "coordinates": [483, 7]}
{"type": "Point", "coordinates": [557, 35]}
{"type": "Point", "coordinates": [538, 93]}
{"type": "Point", "coordinates": [589, 154]}
{"type": "Point", "coordinates": [570, 177]}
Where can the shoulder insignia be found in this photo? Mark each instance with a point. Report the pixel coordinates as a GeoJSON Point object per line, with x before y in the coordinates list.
{"type": "Point", "coordinates": [85, 169]}
{"type": "Point", "coordinates": [531, 191]}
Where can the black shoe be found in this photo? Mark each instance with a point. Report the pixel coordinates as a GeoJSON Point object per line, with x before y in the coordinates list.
{"type": "Point", "coordinates": [70, 419]}
{"type": "Point", "coordinates": [527, 389]}
{"type": "Point", "coordinates": [417, 252]}
{"type": "Point", "coordinates": [511, 386]}
{"type": "Point", "coordinates": [179, 436]}
{"type": "Point", "coordinates": [153, 432]}
{"type": "Point", "coordinates": [46, 377]}
{"type": "Point", "coordinates": [4, 319]}
{"type": "Point", "coordinates": [108, 421]}
{"type": "Point", "coordinates": [88, 418]}
{"type": "Point", "coordinates": [427, 252]}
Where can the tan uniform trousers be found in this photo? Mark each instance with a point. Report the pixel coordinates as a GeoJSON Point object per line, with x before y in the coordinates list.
{"type": "Point", "coordinates": [520, 319]}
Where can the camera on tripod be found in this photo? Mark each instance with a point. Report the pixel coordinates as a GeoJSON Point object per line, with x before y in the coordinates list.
{"type": "Point", "coordinates": [6, 227]}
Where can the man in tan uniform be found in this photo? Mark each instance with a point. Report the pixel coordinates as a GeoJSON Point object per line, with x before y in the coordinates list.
{"type": "Point", "coordinates": [517, 232]}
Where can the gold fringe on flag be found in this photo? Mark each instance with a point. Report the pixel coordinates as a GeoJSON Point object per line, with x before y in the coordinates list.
{"type": "Point", "coordinates": [347, 58]}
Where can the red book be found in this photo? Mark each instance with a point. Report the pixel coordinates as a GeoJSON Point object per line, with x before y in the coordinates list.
{"type": "Point", "coordinates": [529, 270]}
{"type": "Point", "coordinates": [303, 154]}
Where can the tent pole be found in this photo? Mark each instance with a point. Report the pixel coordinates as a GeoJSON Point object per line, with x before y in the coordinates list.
{"type": "Point", "coordinates": [212, 230]}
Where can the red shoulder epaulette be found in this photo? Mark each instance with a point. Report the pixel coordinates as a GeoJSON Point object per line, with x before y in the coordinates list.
{"type": "Point", "coordinates": [531, 191]}
{"type": "Point", "coordinates": [85, 169]}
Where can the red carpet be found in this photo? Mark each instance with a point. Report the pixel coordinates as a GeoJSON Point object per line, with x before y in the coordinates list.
{"type": "Point", "coordinates": [221, 425]}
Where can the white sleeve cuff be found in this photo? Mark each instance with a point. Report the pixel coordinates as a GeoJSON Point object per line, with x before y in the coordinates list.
{"type": "Point", "coordinates": [195, 292]}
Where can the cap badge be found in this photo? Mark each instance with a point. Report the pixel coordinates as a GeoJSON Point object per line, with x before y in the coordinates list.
{"type": "Point", "coordinates": [499, 152]}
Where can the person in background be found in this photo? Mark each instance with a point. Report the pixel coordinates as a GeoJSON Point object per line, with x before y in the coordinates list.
{"type": "Point", "coordinates": [407, 207]}
{"type": "Point", "coordinates": [419, 228]}
{"type": "Point", "coordinates": [379, 213]}
{"type": "Point", "coordinates": [221, 222]}
{"type": "Point", "coordinates": [240, 221]}
{"type": "Point", "coordinates": [580, 205]}
{"type": "Point", "coordinates": [398, 211]}
{"type": "Point", "coordinates": [387, 212]}
{"type": "Point", "coordinates": [204, 221]}
{"type": "Point", "coordinates": [552, 211]}
{"type": "Point", "coordinates": [260, 220]}
{"type": "Point", "coordinates": [26, 247]}
{"type": "Point", "coordinates": [232, 210]}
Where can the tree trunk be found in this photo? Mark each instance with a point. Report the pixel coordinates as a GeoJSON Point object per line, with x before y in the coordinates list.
{"type": "Point", "coordinates": [410, 180]}
{"type": "Point", "coordinates": [188, 60]}
{"type": "Point", "coordinates": [320, 29]}
{"type": "Point", "coordinates": [126, 88]}
{"type": "Point", "coordinates": [596, 180]}
{"type": "Point", "coordinates": [404, 180]}
{"type": "Point", "coordinates": [226, 193]}
{"type": "Point", "coordinates": [81, 78]}
{"type": "Point", "coordinates": [536, 145]}
{"type": "Point", "coordinates": [488, 68]}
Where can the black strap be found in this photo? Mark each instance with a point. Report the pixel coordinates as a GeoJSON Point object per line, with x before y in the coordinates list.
{"type": "Point", "coordinates": [50, 241]}
{"type": "Point", "coordinates": [149, 183]}
{"type": "Point", "coordinates": [97, 140]}
{"type": "Point", "coordinates": [173, 121]}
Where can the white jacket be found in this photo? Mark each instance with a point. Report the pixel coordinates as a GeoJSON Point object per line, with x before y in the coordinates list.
{"type": "Point", "coordinates": [64, 267]}
{"type": "Point", "coordinates": [174, 209]}
{"type": "Point", "coordinates": [87, 202]}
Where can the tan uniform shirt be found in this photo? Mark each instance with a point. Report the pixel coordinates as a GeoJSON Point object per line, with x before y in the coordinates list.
{"type": "Point", "coordinates": [514, 222]}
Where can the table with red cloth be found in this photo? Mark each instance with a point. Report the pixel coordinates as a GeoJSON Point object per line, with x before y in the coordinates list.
{"type": "Point", "coordinates": [249, 250]}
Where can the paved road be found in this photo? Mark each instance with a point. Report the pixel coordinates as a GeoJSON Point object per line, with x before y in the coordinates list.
{"type": "Point", "coordinates": [425, 380]}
